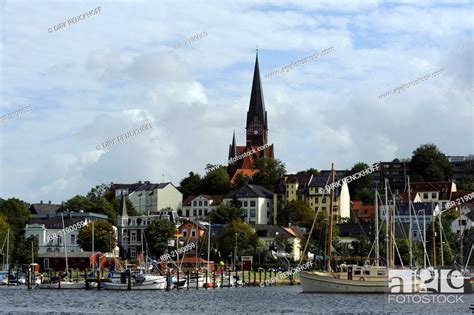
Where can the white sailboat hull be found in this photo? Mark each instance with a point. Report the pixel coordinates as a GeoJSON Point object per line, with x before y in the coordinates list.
{"type": "Point", "coordinates": [147, 285]}
{"type": "Point", "coordinates": [318, 282]}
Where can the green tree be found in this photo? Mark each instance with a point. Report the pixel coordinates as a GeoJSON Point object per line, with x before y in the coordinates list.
{"type": "Point", "coordinates": [225, 213]}
{"type": "Point", "coordinates": [310, 171]}
{"type": "Point", "coordinates": [76, 204]}
{"type": "Point", "coordinates": [237, 232]}
{"type": "Point", "coordinates": [117, 205]}
{"type": "Point", "coordinates": [22, 250]}
{"type": "Point", "coordinates": [429, 164]}
{"type": "Point", "coordinates": [157, 234]}
{"type": "Point", "coordinates": [216, 182]}
{"type": "Point", "coordinates": [297, 213]}
{"type": "Point", "coordinates": [17, 216]}
{"type": "Point", "coordinates": [241, 180]}
{"type": "Point", "coordinates": [360, 189]}
{"type": "Point", "coordinates": [269, 171]}
{"type": "Point", "coordinates": [190, 185]}
{"type": "Point", "coordinates": [103, 237]}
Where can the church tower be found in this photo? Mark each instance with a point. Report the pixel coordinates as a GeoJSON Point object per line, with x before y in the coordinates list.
{"type": "Point", "coordinates": [256, 132]}
{"type": "Point", "coordinates": [257, 128]}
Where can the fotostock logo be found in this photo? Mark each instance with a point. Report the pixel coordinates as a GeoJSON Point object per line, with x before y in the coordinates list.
{"type": "Point", "coordinates": [434, 286]}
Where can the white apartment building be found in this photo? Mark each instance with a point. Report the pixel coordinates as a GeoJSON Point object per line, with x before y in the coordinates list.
{"type": "Point", "coordinates": [195, 207]}
{"type": "Point", "coordinates": [257, 203]}
{"type": "Point", "coordinates": [44, 226]}
{"type": "Point", "coordinates": [150, 198]}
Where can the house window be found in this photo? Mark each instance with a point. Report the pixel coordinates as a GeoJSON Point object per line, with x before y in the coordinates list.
{"type": "Point", "coordinates": [252, 203]}
{"type": "Point", "coordinates": [433, 195]}
{"type": "Point", "coordinates": [185, 233]}
{"type": "Point", "coordinates": [324, 200]}
{"type": "Point", "coordinates": [194, 212]}
{"type": "Point", "coordinates": [200, 203]}
{"type": "Point", "coordinates": [200, 211]}
{"type": "Point", "coordinates": [316, 199]}
{"type": "Point", "coordinates": [133, 236]}
{"type": "Point", "coordinates": [133, 252]}
{"type": "Point", "coordinates": [252, 213]}
{"type": "Point", "coordinates": [205, 211]}
{"type": "Point", "coordinates": [46, 263]}
{"type": "Point", "coordinates": [462, 222]}
{"type": "Point", "coordinates": [193, 233]}
{"type": "Point", "coordinates": [73, 239]}
{"type": "Point", "coordinates": [425, 195]}
{"type": "Point", "coordinates": [194, 203]}
{"type": "Point", "coordinates": [205, 202]}
{"type": "Point", "coordinates": [245, 203]}
{"type": "Point", "coordinates": [268, 204]}
{"type": "Point", "coordinates": [187, 213]}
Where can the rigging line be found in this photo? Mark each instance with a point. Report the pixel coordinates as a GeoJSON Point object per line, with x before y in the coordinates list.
{"type": "Point", "coordinates": [398, 252]}
{"type": "Point", "coordinates": [312, 226]}
{"type": "Point", "coordinates": [421, 236]}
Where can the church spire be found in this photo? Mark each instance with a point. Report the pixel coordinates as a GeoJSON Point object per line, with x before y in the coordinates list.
{"type": "Point", "coordinates": [234, 146]}
{"type": "Point", "coordinates": [257, 127]}
{"type": "Point", "coordinates": [123, 209]}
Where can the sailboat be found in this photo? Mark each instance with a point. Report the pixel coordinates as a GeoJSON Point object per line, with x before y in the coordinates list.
{"type": "Point", "coordinates": [354, 278]}
{"type": "Point", "coordinates": [6, 267]}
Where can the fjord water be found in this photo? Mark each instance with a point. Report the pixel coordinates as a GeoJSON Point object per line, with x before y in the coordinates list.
{"type": "Point", "coordinates": [251, 300]}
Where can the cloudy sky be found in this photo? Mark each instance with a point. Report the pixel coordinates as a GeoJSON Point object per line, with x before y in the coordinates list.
{"type": "Point", "coordinates": [113, 72]}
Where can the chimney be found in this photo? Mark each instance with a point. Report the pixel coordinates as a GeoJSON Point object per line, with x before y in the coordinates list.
{"type": "Point", "coordinates": [41, 202]}
{"type": "Point", "coordinates": [50, 202]}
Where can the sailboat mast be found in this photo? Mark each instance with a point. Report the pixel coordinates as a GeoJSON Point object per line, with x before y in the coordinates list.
{"type": "Point", "coordinates": [330, 220]}
{"type": "Point", "coordinates": [65, 246]}
{"type": "Point", "coordinates": [8, 248]}
{"type": "Point", "coordinates": [409, 218]}
{"type": "Point", "coordinates": [208, 244]}
{"type": "Point", "coordinates": [388, 228]}
{"type": "Point", "coordinates": [93, 251]}
{"type": "Point", "coordinates": [377, 251]}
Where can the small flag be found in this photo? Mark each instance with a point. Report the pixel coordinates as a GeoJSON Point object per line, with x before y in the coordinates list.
{"type": "Point", "coordinates": [178, 235]}
{"type": "Point", "coordinates": [102, 262]}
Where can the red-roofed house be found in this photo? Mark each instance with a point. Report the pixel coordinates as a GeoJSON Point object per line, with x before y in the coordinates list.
{"type": "Point", "coordinates": [362, 213]}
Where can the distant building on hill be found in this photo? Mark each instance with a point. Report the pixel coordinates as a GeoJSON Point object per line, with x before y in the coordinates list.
{"type": "Point", "coordinates": [150, 198]}
{"type": "Point", "coordinates": [256, 202]}
{"type": "Point", "coordinates": [362, 213]}
{"type": "Point", "coordinates": [200, 206]}
{"type": "Point", "coordinates": [311, 189]}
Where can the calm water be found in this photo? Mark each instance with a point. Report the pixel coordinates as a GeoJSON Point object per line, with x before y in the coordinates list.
{"type": "Point", "coordinates": [251, 300]}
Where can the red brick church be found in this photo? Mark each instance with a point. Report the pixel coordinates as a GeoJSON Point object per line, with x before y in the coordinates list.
{"type": "Point", "coordinates": [257, 132]}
